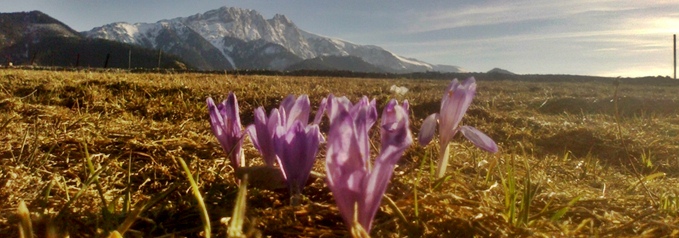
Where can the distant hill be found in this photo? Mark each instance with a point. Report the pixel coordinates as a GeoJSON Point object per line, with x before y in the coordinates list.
{"type": "Point", "coordinates": [336, 63]}
{"type": "Point", "coordinates": [30, 26]}
{"type": "Point", "coordinates": [34, 37]}
{"type": "Point", "coordinates": [500, 71]}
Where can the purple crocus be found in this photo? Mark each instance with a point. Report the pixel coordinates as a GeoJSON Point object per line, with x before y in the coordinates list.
{"type": "Point", "coordinates": [454, 105]}
{"type": "Point", "coordinates": [296, 148]}
{"type": "Point", "coordinates": [358, 188]}
{"type": "Point", "coordinates": [287, 138]}
{"type": "Point", "coordinates": [262, 131]}
{"type": "Point", "coordinates": [226, 126]}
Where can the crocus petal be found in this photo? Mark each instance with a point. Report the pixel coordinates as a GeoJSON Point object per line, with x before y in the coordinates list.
{"type": "Point", "coordinates": [395, 129]}
{"type": "Point", "coordinates": [344, 166]}
{"type": "Point", "coordinates": [216, 121]}
{"type": "Point", "coordinates": [346, 189]}
{"type": "Point", "coordinates": [261, 134]}
{"type": "Point", "coordinates": [369, 109]}
{"type": "Point", "coordinates": [396, 138]}
{"type": "Point", "coordinates": [451, 87]}
{"type": "Point", "coordinates": [226, 126]}
{"type": "Point", "coordinates": [361, 125]}
{"type": "Point", "coordinates": [363, 115]}
{"type": "Point", "coordinates": [479, 139]}
{"type": "Point", "coordinates": [319, 116]}
{"type": "Point", "coordinates": [427, 130]}
{"type": "Point", "coordinates": [375, 185]}
{"type": "Point", "coordinates": [343, 149]}
{"type": "Point", "coordinates": [296, 148]}
{"type": "Point", "coordinates": [346, 163]}
{"type": "Point", "coordinates": [335, 104]}
{"type": "Point", "coordinates": [321, 109]}
{"type": "Point", "coordinates": [298, 111]}
{"type": "Point", "coordinates": [252, 134]}
{"type": "Point", "coordinates": [453, 107]}
{"type": "Point", "coordinates": [406, 106]}
{"type": "Point", "coordinates": [231, 108]}
{"type": "Point", "coordinates": [287, 103]}
{"type": "Point", "coordinates": [251, 129]}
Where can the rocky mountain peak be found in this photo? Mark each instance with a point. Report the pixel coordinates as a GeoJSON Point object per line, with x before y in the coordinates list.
{"type": "Point", "coordinates": [282, 19]}
{"type": "Point", "coordinates": [246, 39]}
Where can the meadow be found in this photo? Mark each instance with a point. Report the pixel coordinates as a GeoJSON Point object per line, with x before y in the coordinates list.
{"type": "Point", "coordinates": [93, 152]}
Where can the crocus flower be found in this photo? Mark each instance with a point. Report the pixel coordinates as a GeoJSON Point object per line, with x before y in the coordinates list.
{"type": "Point", "coordinates": [226, 126]}
{"type": "Point", "coordinates": [454, 105]}
{"type": "Point", "coordinates": [262, 131]}
{"type": "Point", "coordinates": [296, 148]}
{"type": "Point", "coordinates": [285, 137]}
{"type": "Point", "coordinates": [358, 188]}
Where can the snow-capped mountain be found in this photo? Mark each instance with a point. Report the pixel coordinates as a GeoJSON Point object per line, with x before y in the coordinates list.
{"type": "Point", "coordinates": [35, 38]}
{"type": "Point", "coordinates": [228, 38]}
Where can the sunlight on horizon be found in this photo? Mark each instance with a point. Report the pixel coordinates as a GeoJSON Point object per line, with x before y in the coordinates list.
{"type": "Point", "coordinates": [640, 71]}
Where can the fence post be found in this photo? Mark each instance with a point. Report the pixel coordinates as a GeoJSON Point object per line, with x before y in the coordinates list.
{"type": "Point", "coordinates": [129, 59]}
{"type": "Point", "coordinates": [160, 54]}
{"type": "Point", "coordinates": [675, 56]}
{"type": "Point", "coordinates": [108, 56]}
{"type": "Point", "coordinates": [33, 58]}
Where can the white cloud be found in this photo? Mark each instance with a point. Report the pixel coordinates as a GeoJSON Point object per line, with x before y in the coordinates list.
{"type": "Point", "coordinates": [499, 12]}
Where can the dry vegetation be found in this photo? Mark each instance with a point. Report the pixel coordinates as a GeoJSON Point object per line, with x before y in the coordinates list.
{"type": "Point", "coordinates": [567, 166]}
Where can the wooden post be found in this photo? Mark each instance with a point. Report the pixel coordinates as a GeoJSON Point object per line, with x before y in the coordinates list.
{"type": "Point", "coordinates": [108, 56]}
{"type": "Point", "coordinates": [77, 60]}
{"type": "Point", "coordinates": [675, 56]}
{"type": "Point", "coordinates": [33, 59]}
{"type": "Point", "coordinates": [129, 59]}
{"type": "Point", "coordinates": [160, 54]}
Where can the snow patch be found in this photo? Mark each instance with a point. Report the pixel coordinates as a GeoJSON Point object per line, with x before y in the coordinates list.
{"type": "Point", "coordinates": [413, 62]}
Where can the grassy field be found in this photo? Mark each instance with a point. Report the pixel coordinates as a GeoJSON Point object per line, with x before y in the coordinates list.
{"type": "Point", "coordinates": [88, 150]}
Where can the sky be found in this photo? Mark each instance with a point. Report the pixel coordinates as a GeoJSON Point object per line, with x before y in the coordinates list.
{"type": "Point", "coordinates": [580, 37]}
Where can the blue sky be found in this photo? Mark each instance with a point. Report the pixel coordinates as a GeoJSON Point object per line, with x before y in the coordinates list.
{"type": "Point", "coordinates": [583, 37]}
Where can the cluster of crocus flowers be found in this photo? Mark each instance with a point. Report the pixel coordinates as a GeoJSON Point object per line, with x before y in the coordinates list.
{"type": "Point", "coordinates": [456, 100]}
{"type": "Point", "coordinates": [287, 138]}
{"type": "Point", "coordinates": [357, 186]}
{"type": "Point", "coordinates": [226, 126]}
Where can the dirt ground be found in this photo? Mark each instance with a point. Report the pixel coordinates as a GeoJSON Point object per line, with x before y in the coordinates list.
{"type": "Point", "coordinates": [87, 150]}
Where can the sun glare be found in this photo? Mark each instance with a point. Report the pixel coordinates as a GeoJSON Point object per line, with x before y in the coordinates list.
{"type": "Point", "coordinates": [638, 71]}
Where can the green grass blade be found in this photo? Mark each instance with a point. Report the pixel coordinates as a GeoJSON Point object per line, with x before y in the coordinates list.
{"type": "Point", "coordinates": [398, 211]}
{"type": "Point", "coordinates": [128, 189]}
{"type": "Point", "coordinates": [238, 217]}
{"type": "Point", "coordinates": [90, 166]}
{"type": "Point", "coordinates": [646, 179]}
{"type": "Point", "coordinates": [199, 199]}
{"type": "Point", "coordinates": [559, 214]}
{"type": "Point", "coordinates": [143, 207]}
{"type": "Point", "coordinates": [84, 187]}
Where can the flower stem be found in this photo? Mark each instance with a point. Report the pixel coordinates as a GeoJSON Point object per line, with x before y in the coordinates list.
{"type": "Point", "coordinates": [295, 195]}
{"type": "Point", "coordinates": [443, 161]}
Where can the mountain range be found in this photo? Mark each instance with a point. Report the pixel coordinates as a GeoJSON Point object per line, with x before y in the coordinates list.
{"type": "Point", "coordinates": [222, 39]}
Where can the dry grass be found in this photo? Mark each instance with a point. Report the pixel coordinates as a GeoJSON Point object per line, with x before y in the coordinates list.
{"type": "Point", "coordinates": [575, 171]}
